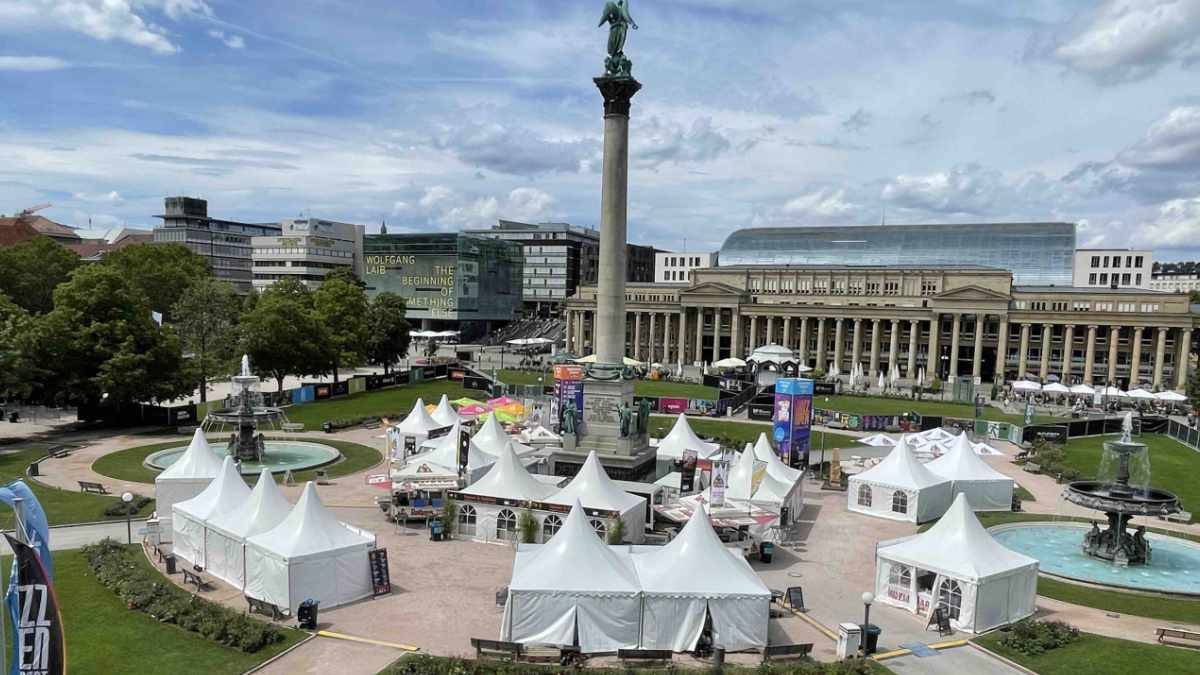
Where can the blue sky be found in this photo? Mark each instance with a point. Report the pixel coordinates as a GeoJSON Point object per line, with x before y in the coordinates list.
{"type": "Point", "coordinates": [439, 115]}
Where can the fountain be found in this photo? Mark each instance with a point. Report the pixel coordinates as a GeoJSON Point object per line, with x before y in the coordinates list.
{"type": "Point", "coordinates": [1121, 500]}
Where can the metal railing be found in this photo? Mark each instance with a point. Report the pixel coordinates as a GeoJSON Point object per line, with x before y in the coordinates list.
{"type": "Point", "coordinates": [1189, 436]}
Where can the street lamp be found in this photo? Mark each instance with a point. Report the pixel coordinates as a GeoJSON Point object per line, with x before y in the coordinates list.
{"type": "Point", "coordinates": [127, 498]}
{"type": "Point", "coordinates": [867, 597]}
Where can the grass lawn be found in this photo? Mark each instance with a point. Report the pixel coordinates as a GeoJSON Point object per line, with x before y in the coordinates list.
{"type": "Point", "coordinates": [1155, 607]}
{"type": "Point", "coordinates": [61, 506]}
{"type": "Point", "coordinates": [128, 464]}
{"type": "Point", "coordinates": [877, 405]}
{"type": "Point", "coordinates": [740, 432]}
{"type": "Point", "coordinates": [1096, 655]}
{"type": "Point", "coordinates": [105, 637]}
{"type": "Point", "coordinates": [1173, 465]}
{"type": "Point", "coordinates": [640, 388]}
{"type": "Point", "coordinates": [392, 402]}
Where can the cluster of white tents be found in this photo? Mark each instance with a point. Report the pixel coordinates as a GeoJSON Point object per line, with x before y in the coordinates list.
{"type": "Point", "coordinates": [928, 444]}
{"type": "Point", "coordinates": [186, 478]}
{"type": "Point", "coordinates": [436, 465]}
{"type": "Point", "coordinates": [575, 590]}
{"type": "Point", "coordinates": [1109, 391]}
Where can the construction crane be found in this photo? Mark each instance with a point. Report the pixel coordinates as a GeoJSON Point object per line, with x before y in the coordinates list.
{"type": "Point", "coordinates": [34, 209]}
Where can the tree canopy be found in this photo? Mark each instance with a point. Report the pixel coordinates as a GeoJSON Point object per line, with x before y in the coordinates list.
{"type": "Point", "coordinates": [16, 370]}
{"type": "Point", "coordinates": [341, 307]}
{"type": "Point", "coordinates": [160, 272]}
{"type": "Point", "coordinates": [206, 318]}
{"type": "Point", "coordinates": [282, 335]}
{"type": "Point", "coordinates": [389, 337]}
{"type": "Point", "coordinates": [30, 271]}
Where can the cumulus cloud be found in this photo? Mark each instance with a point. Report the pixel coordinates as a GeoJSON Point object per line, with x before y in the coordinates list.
{"type": "Point", "coordinates": [109, 20]}
{"type": "Point", "coordinates": [1172, 143]}
{"type": "Point", "coordinates": [967, 189]}
{"type": "Point", "coordinates": [825, 204]}
{"type": "Point", "coordinates": [1164, 164]}
{"type": "Point", "coordinates": [1176, 225]}
{"type": "Point", "coordinates": [111, 197]}
{"type": "Point", "coordinates": [452, 209]}
{"type": "Point", "coordinates": [658, 141]}
{"type": "Point", "coordinates": [858, 122]}
{"type": "Point", "coordinates": [513, 150]}
{"type": "Point", "coordinates": [1127, 40]}
{"type": "Point", "coordinates": [32, 64]}
{"type": "Point", "coordinates": [231, 40]}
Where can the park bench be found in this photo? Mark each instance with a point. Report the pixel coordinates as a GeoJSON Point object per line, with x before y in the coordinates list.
{"type": "Point", "coordinates": [89, 486]}
{"type": "Point", "coordinates": [787, 652]}
{"type": "Point", "coordinates": [191, 577]}
{"type": "Point", "coordinates": [263, 607]}
{"type": "Point", "coordinates": [60, 451]}
{"type": "Point", "coordinates": [650, 658]}
{"type": "Point", "coordinates": [292, 426]}
{"type": "Point", "coordinates": [1176, 634]}
{"type": "Point", "coordinates": [186, 430]}
{"type": "Point", "coordinates": [496, 649]}
{"type": "Point", "coordinates": [372, 424]}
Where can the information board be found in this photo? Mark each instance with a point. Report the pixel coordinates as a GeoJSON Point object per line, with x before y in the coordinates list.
{"type": "Point", "coordinates": [381, 576]}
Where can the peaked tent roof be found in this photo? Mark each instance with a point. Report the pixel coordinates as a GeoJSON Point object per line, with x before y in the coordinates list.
{"type": "Point", "coordinates": [681, 437]}
{"type": "Point", "coordinates": [901, 468]}
{"type": "Point", "coordinates": [878, 440]}
{"type": "Point", "coordinates": [309, 529]}
{"type": "Point", "coordinates": [508, 479]}
{"type": "Point", "coordinates": [775, 466]}
{"type": "Point", "coordinates": [225, 493]}
{"type": "Point", "coordinates": [575, 560]}
{"type": "Point", "coordinates": [961, 463]}
{"type": "Point", "coordinates": [264, 509]}
{"type": "Point", "coordinates": [957, 545]}
{"type": "Point", "coordinates": [418, 421]}
{"type": "Point", "coordinates": [695, 562]}
{"type": "Point", "coordinates": [198, 461]}
{"type": "Point", "coordinates": [494, 440]}
{"type": "Point", "coordinates": [595, 489]}
{"type": "Point", "coordinates": [445, 414]}
{"type": "Point", "coordinates": [445, 455]}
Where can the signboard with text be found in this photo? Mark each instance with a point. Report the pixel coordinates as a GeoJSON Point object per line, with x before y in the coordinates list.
{"type": "Point", "coordinates": [792, 419]}
{"type": "Point", "coordinates": [428, 283]}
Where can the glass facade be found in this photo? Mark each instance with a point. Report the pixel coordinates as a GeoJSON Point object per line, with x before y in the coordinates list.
{"type": "Point", "coordinates": [1037, 254]}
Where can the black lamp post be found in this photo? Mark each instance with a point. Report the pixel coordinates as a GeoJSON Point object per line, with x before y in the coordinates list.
{"type": "Point", "coordinates": [127, 498]}
{"type": "Point", "coordinates": [867, 597]}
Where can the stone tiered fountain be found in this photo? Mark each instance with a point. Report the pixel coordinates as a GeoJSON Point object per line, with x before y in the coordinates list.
{"type": "Point", "coordinates": [247, 415]}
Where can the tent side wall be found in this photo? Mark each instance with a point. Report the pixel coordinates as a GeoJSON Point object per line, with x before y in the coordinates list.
{"type": "Point", "coordinates": [605, 623]}
{"type": "Point", "coordinates": [1005, 599]}
{"type": "Point", "coordinates": [881, 501]}
{"type": "Point", "coordinates": [226, 558]}
{"type": "Point", "coordinates": [168, 493]}
{"type": "Point", "coordinates": [188, 538]}
{"type": "Point", "coordinates": [672, 622]}
{"type": "Point", "coordinates": [933, 501]}
{"type": "Point", "coordinates": [986, 495]}
{"type": "Point", "coordinates": [267, 577]}
{"type": "Point", "coordinates": [740, 623]}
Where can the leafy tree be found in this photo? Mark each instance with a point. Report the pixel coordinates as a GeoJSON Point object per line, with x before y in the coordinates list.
{"type": "Point", "coordinates": [160, 272]}
{"type": "Point", "coordinates": [341, 306]}
{"type": "Point", "coordinates": [16, 369]}
{"type": "Point", "coordinates": [31, 270]}
{"type": "Point", "coordinates": [1193, 389]}
{"type": "Point", "coordinates": [100, 344]}
{"type": "Point", "coordinates": [1194, 297]}
{"type": "Point", "coordinates": [389, 337]}
{"type": "Point", "coordinates": [206, 317]}
{"type": "Point", "coordinates": [282, 335]}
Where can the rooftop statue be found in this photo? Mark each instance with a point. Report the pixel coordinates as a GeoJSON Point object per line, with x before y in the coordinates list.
{"type": "Point", "coordinates": [616, 15]}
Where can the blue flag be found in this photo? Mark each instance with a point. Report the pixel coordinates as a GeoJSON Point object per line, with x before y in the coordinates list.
{"type": "Point", "coordinates": [37, 528]}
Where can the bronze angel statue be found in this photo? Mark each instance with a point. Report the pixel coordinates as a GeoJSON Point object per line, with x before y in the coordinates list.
{"type": "Point", "coordinates": [616, 15]}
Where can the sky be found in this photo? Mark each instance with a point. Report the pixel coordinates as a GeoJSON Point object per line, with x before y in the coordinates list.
{"type": "Point", "coordinates": [436, 115]}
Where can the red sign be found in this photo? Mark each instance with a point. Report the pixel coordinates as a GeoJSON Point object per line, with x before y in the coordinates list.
{"type": "Point", "coordinates": [672, 406]}
{"type": "Point", "coordinates": [568, 372]}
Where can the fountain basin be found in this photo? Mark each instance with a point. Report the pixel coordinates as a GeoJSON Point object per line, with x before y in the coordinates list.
{"type": "Point", "coordinates": [279, 456]}
{"type": "Point", "coordinates": [1103, 496]}
{"type": "Point", "coordinates": [1175, 568]}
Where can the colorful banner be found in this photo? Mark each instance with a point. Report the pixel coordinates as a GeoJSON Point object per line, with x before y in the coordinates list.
{"type": "Point", "coordinates": [672, 406]}
{"type": "Point", "coordinates": [36, 625]}
{"type": "Point", "coordinates": [687, 471]}
{"type": "Point", "coordinates": [720, 478]}
{"type": "Point", "coordinates": [569, 389]}
{"type": "Point", "coordinates": [792, 419]}
{"type": "Point", "coordinates": [37, 528]}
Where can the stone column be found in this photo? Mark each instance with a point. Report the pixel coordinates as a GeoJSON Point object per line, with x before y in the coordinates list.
{"type": "Point", "coordinates": [614, 201]}
{"type": "Point", "coordinates": [894, 346]}
{"type": "Point", "coordinates": [931, 359]}
{"type": "Point", "coordinates": [954, 328]}
{"type": "Point", "coordinates": [819, 363]}
{"type": "Point", "coordinates": [977, 354]}
{"type": "Point", "coordinates": [1089, 356]}
{"type": "Point", "coordinates": [682, 335]}
{"type": "Point", "coordinates": [637, 335]}
{"type": "Point", "coordinates": [839, 337]}
{"type": "Point", "coordinates": [1068, 344]}
{"type": "Point", "coordinates": [1023, 357]}
{"type": "Point", "coordinates": [1160, 353]}
{"type": "Point", "coordinates": [569, 320]}
{"type": "Point", "coordinates": [1184, 351]}
{"type": "Point", "coordinates": [804, 340]}
{"type": "Point", "coordinates": [666, 343]}
{"type": "Point", "coordinates": [914, 329]}
{"type": "Point", "coordinates": [700, 335]}
{"type": "Point", "coordinates": [1135, 357]}
{"type": "Point", "coordinates": [579, 346]}
{"type": "Point", "coordinates": [1047, 331]}
{"type": "Point", "coordinates": [874, 372]}
{"type": "Point", "coordinates": [1114, 340]}
{"type": "Point", "coordinates": [651, 348]}
{"type": "Point", "coordinates": [1001, 351]}
{"type": "Point", "coordinates": [856, 343]}
{"type": "Point", "coordinates": [735, 338]}
{"type": "Point", "coordinates": [787, 332]}
{"type": "Point", "coordinates": [770, 330]}
{"type": "Point", "coordinates": [753, 334]}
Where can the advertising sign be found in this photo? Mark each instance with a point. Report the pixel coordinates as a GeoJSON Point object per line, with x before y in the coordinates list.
{"type": "Point", "coordinates": [1028, 412]}
{"type": "Point", "coordinates": [720, 478]}
{"type": "Point", "coordinates": [792, 419]}
{"type": "Point", "coordinates": [381, 576]}
{"type": "Point", "coordinates": [464, 448]}
{"type": "Point", "coordinates": [673, 406]}
{"type": "Point", "coordinates": [35, 623]}
{"type": "Point", "coordinates": [568, 382]}
{"type": "Point", "coordinates": [687, 471]}
{"type": "Point", "coordinates": [428, 283]}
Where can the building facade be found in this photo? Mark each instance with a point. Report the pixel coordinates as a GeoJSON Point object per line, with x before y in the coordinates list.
{"type": "Point", "coordinates": [450, 281]}
{"type": "Point", "coordinates": [950, 320]}
{"type": "Point", "coordinates": [224, 244]}
{"type": "Point", "coordinates": [307, 250]}
{"type": "Point", "coordinates": [1176, 277]}
{"type": "Point", "coordinates": [1113, 268]}
{"type": "Point", "coordinates": [671, 267]}
{"type": "Point", "coordinates": [558, 258]}
{"type": "Point", "coordinates": [1036, 253]}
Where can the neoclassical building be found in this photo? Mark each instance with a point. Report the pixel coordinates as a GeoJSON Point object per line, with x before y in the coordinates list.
{"type": "Point", "coordinates": [952, 320]}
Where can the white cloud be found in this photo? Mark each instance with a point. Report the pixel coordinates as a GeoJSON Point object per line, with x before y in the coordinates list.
{"type": "Point", "coordinates": [108, 20]}
{"type": "Point", "coordinates": [824, 204]}
{"type": "Point", "coordinates": [32, 64]}
{"type": "Point", "coordinates": [524, 203]}
{"type": "Point", "coordinates": [1176, 225]}
{"type": "Point", "coordinates": [964, 189]}
{"type": "Point", "coordinates": [231, 40]}
{"type": "Point", "coordinates": [1125, 40]}
{"type": "Point", "coordinates": [111, 197]}
{"type": "Point", "coordinates": [1170, 143]}
{"type": "Point", "coordinates": [657, 141]}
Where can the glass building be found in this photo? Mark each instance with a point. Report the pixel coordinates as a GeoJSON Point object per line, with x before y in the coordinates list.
{"type": "Point", "coordinates": [1037, 254]}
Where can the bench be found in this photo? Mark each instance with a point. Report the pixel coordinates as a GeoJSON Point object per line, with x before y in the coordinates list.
{"type": "Point", "coordinates": [88, 486]}
{"type": "Point", "coordinates": [292, 426]}
{"type": "Point", "coordinates": [644, 657]}
{"type": "Point", "coordinates": [496, 649]}
{"type": "Point", "coordinates": [787, 652]}
{"type": "Point", "coordinates": [372, 424]}
{"type": "Point", "coordinates": [185, 430]}
{"type": "Point", "coordinates": [263, 607]}
{"type": "Point", "coordinates": [190, 577]}
{"type": "Point", "coordinates": [60, 451]}
{"type": "Point", "coordinates": [1176, 634]}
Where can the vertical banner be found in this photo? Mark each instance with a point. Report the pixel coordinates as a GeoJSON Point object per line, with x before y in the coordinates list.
{"type": "Point", "coordinates": [464, 450]}
{"type": "Point", "coordinates": [568, 382]}
{"type": "Point", "coordinates": [792, 419]}
{"type": "Point", "coordinates": [1029, 411]}
{"type": "Point", "coordinates": [687, 471]}
{"type": "Point", "coordinates": [720, 477]}
{"type": "Point", "coordinates": [36, 626]}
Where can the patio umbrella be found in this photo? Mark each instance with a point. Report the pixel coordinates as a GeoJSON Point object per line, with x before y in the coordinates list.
{"type": "Point", "coordinates": [1171, 396]}
{"type": "Point", "coordinates": [1111, 391]}
{"type": "Point", "coordinates": [1026, 385]}
{"type": "Point", "coordinates": [501, 402]}
{"type": "Point", "coordinates": [591, 358]}
{"type": "Point", "coordinates": [460, 402]}
{"type": "Point", "coordinates": [473, 410]}
{"type": "Point", "coordinates": [1141, 395]}
{"type": "Point", "coordinates": [730, 362]}
{"type": "Point", "coordinates": [1082, 389]}
{"type": "Point", "coordinates": [1055, 388]}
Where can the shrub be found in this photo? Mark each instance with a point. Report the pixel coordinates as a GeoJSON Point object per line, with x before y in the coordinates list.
{"type": "Point", "coordinates": [449, 517]}
{"type": "Point", "coordinates": [527, 525]}
{"type": "Point", "coordinates": [935, 385]}
{"type": "Point", "coordinates": [617, 532]}
{"type": "Point", "coordinates": [1032, 637]}
{"type": "Point", "coordinates": [142, 589]}
{"type": "Point", "coordinates": [424, 664]}
{"type": "Point", "coordinates": [119, 508]}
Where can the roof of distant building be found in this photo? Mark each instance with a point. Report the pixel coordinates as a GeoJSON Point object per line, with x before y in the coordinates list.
{"type": "Point", "coordinates": [832, 266]}
{"type": "Point", "coordinates": [50, 228]}
{"type": "Point", "coordinates": [15, 229]}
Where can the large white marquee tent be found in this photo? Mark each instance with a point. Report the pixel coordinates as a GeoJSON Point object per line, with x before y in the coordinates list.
{"type": "Point", "coordinates": [184, 479]}
{"type": "Point", "coordinates": [491, 517]}
{"type": "Point", "coordinates": [900, 488]}
{"type": "Point", "coordinates": [751, 480]}
{"type": "Point", "coordinates": [227, 532]}
{"type": "Point", "coordinates": [439, 462]}
{"type": "Point", "coordinates": [986, 489]}
{"type": "Point", "coordinates": [445, 414]}
{"type": "Point", "coordinates": [595, 490]}
{"type": "Point", "coordinates": [416, 426]}
{"type": "Point", "coordinates": [670, 448]}
{"type": "Point", "coordinates": [956, 564]}
{"type": "Point", "coordinates": [189, 520]}
{"type": "Point", "coordinates": [493, 439]}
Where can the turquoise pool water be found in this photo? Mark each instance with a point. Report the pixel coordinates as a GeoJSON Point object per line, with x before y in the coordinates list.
{"type": "Point", "coordinates": [1174, 566]}
{"type": "Point", "coordinates": [280, 456]}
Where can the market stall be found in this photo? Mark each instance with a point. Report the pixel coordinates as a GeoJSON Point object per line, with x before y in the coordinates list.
{"type": "Point", "coordinates": [595, 490]}
{"type": "Point", "coordinates": [190, 517]}
{"type": "Point", "coordinates": [900, 488]}
{"type": "Point", "coordinates": [264, 509]}
{"type": "Point", "coordinates": [986, 489]}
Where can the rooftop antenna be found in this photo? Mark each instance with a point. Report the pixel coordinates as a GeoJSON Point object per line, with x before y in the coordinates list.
{"type": "Point", "coordinates": [883, 218]}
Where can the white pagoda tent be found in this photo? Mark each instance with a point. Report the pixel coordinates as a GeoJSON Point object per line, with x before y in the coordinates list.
{"type": "Point", "coordinates": [445, 414]}
{"type": "Point", "coordinates": [227, 532]}
{"type": "Point", "coordinates": [416, 426]}
{"type": "Point", "coordinates": [750, 480]}
{"type": "Point", "coordinates": [189, 518]}
{"type": "Point", "coordinates": [696, 576]}
{"type": "Point", "coordinates": [493, 439]}
{"type": "Point", "coordinates": [763, 452]}
{"type": "Point", "coordinates": [956, 564]}
{"type": "Point", "coordinates": [681, 437]}
{"type": "Point", "coordinates": [878, 440]}
{"type": "Point", "coordinates": [900, 488]}
{"type": "Point", "coordinates": [436, 468]}
{"type": "Point", "coordinates": [985, 488]}
{"type": "Point", "coordinates": [595, 490]}
{"type": "Point", "coordinates": [490, 498]}
{"type": "Point", "coordinates": [309, 554]}
{"type": "Point", "coordinates": [574, 589]}
{"type": "Point", "coordinates": [186, 478]}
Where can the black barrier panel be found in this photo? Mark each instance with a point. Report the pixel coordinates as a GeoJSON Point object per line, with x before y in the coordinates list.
{"type": "Point", "coordinates": [824, 388]}
{"type": "Point", "coordinates": [1054, 433]}
{"type": "Point", "coordinates": [372, 382]}
{"type": "Point", "coordinates": [322, 391]}
{"type": "Point", "coordinates": [652, 400]}
{"type": "Point", "coordinates": [477, 383]}
{"type": "Point", "coordinates": [182, 416]}
{"type": "Point", "coordinates": [761, 411]}
{"type": "Point", "coordinates": [961, 424]}
{"type": "Point", "coordinates": [930, 422]}
{"type": "Point", "coordinates": [340, 388]}
{"type": "Point", "coordinates": [436, 372]}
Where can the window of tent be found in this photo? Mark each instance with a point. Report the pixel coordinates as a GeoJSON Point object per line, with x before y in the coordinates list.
{"type": "Point", "coordinates": [950, 598]}
{"type": "Point", "coordinates": [600, 527]}
{"type": "Point", "coordinates": [550, 526]}
{"type": "Point", "coordinates": [864, 495]}
{"type": "Point", "coordinates": [900, 502]}
{"type": "Point", "coordinates": [506, 525]}
{"type": "Point", "coordinates": [466, 519]}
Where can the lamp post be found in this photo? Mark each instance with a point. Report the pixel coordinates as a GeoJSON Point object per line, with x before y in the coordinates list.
{"type": "Point", "coordinates": [867, 597]}
{"type": "Point", "coordinates": [127, 498]}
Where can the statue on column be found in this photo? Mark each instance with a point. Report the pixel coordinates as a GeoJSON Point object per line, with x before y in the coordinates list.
{"type": "Point", "coordinates": [643, 416]}
{"type": "Point", "coordinates": [626, 413]}
{"type": "Point", "coordinates": [568, 418]}
{"type": "Point", "coordinates": [616, 15]}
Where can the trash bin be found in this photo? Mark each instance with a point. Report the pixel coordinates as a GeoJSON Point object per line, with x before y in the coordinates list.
{"type": "Point", "coordinates": [849, 638]}
{"type": "Point", "coordinates": [33, 469]}
{"type": "Point", "coordinates": [871, 639]}
{"type": "Point", "coordinates": [327, 427]}
{"type": "Point", "coordinates": [766, 551]}
{"type": "Point", "coordinates": [170, 561]}
{"type": "Point", "coordinates": [14, 417]}
{"type": "Point", "coordinates": [306, 614]}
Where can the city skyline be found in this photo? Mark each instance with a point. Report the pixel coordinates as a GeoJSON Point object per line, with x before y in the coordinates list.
{"type": "Point", "coordinates": [770, 113]}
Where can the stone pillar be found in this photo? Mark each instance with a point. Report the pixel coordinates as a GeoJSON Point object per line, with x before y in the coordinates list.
{"type": "Point", "coordinates": [579, 346]}
{"type": "Point", "coordinates": [700, 335]}
{"type": "Point", "coordinates": [931, 359]}
{"type": "Point", "coordinates": [787, 332]}
{"type": "Point", "coordinates": [753, 334]}
{"type": "Point", "coordinates": [1160, 353]}
{"type": "Point", "coordinates": [1001, 351]}
{"type": "Point", "coordinates": [1068, 345]}
{"type": "Point", "coordinates": [1023, 356]}
{"type": "Point", "coordinates": [977, 354]}
{"type": "Point", "coordinates": [1089, 356]}
{"type": "Point", "coordinates": [666, 343]}
{"type": "Point", "coordinates": [894, 346]}
{"type": "Point", "coordinates": [614, 201]}
{"type": "Point", "coordinates": [770, 330]}
{"type": "Point", "coordinates": [1114, 340]}
{"type": "Point", "coordinates": [637, 335]}
{"type": "Point", "coordinates": [804, 340]}
{"type": "Point", "coordinates": [819, 362]}
{"type": "Point", "coordinates": [569, 320]}
{"type": "Point", "coordinates": [874, 372]}
{"type": "Point", "coordinates": [735, 337]}
{"type": "Point", "coordinates": [1182, 361]}
{"type": "Point", "coordinates": [954, 328]}
{"type": "Point", "coordinates": [839, 337]}
{"type": "Point", "coordinates": [914, 329]}
{"type": "Point", "coordinates": [856, 344]}
{"type": "Point", "coordinates": [651, 348]}
{"type": "Point", "coordinates": [1047, 331]}
{"type": "Point", "coordinates": [1135, 358]}
{"type": "Point", "coordinates": [682, 355]}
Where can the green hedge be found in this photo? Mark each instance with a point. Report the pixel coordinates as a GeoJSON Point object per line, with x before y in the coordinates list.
{"type": "Point", "coordinates": [1034, 638]}
{"type": "Point", "coordinates": [143, 590]}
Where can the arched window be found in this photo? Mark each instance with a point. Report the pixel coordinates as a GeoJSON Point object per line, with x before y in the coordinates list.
{"type": "Point", "coordinates": [864, 495]}
{"type": "Point", "coordinates": [950, 598]}
{"type": "Point", "coordinates": [550, 525]}
{"type": "Point", "coordinates": [900, 501]}
{"type": "Point", "coordinates": [506, 525]}
{"type": "Point", "coordinates": [900, 576]}
{"type": "Point", "coordinates": [600, 527]}
{"type": "Point", "coordinates": [466, 520]}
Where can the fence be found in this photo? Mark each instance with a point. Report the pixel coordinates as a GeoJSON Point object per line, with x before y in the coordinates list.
{"type": "Point", "coordinates": [1189, 436]}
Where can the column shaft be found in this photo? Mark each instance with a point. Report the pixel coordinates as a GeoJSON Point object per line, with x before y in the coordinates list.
{"type": "Point", "coordinates": [770, 330]}
{"type": "Point", "coordinates": [1089, 355]}
{"type": "Point", "coordinates": [1023, 356]}
{"type": "Point", "coordinates": [931, 359]}
{"type": "Point", "coordinates": [819, 362]}
{"type": "Point", "coordinates": [1135, 358]}
{"type": "Point", "coordinates": [637, 335]}
{"type": "Point", "coordinates": [1001, 351]}
{"type": "Point", "coordinates": [682, 355]}
{"type": "Point", "coordinates": [1184, 359]}
{"type": "Point", "coordinates": [753, 333]}
{"type": "Point", "coordinates": [839, 336]}
{"type": "Point", "coordinates": [700, 335]}
{"type": "Point", "coordinates": [874, 373]}
{"type": "Point", "coordinates": [955, 326]}
{"type": "Point", "coordinates": [1068, 347]}
{"type": "Point", "coordinates": [894, 347]}
{"type": "Point", "coordinates": [1160, 353]}
{"type": "Point", "coordinates": [1114, 340]}
{"type": "Point", "coordinates": [736, 349]}
{"type": "Point", "coordinates": [977, 354]}
{"type": "Point", "coordinates": [804, 340]}
{"type": "Point", "coordinates": [787, 332]}
{"type": "Point", "coordinates": [856, 344]}
{"type": "Point", "coordinates": [1047, 331]}
{"type": "Point", "coordinates": [914, 329]}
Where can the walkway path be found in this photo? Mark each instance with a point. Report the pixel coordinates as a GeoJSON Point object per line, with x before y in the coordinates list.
{"type": "Point", "coordinates": [67, 537]}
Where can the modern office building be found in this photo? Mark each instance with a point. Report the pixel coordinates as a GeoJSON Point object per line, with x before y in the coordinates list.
{"type": "Point", "coordinates": [1176, 277]}
{"type": "Point", "coordinates": [307, 249]}
{"type": "Point", "coordinates": [451, 281]}
{"type": "Point", "coordinates": [672, 267]}
{"type": "Point", "coordinates": [639, 263]}
{"type": "Point", "coordinates": [950, 320]}
{"type": "Point", "coordinates": [225, 244]}
{"type": "Point", "coordinates": [1035, 253]}
{"type": "Point", "coordinates": [1113, 268]}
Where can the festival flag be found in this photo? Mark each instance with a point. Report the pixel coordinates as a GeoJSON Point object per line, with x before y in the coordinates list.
{"type": "Point", "coordinates": [36, 625]}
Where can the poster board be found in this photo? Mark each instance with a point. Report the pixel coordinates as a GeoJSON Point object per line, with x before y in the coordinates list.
{"type": "Point", "coordinates": [381, 576]}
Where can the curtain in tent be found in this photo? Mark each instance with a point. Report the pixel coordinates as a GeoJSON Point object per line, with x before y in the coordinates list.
{"type": "Point", "coordinates": [986, 495]}
{"type": "Point", "coordinates": [740, 623]}
{"type": "Point", "coordinates": [672, 622]}
{"type": "Point", "coordinates": [608, 623]}
{"type": "Point", "coordinates": [542, 618]}
{"type": "Point", "coordinates": [188, 542]}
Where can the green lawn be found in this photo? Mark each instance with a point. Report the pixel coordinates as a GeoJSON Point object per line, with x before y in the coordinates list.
{"type": "Point", "coordinates": [741, 432]}
{"type": "Point", "coordinates": [1155, 607]}
{"type": "Point", "coordinates": [61, 506]}
{"type": "Point", "coordinates": [1096, 655]}
{"type": "Point", "coordinates": [641, 387]}
{"type": "Point", "coordinates": [105, 637]}
{"type": "Point", "coordinates": [128, 464]}
{"type": "Point", "coordinates": [877, 405]}
{"type": "Point", "coordinates": [1173, 465]}
{"type": "Point", "coordinates": [392, 402]}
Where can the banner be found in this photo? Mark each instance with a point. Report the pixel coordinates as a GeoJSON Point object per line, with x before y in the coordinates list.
{"type": "Point", "coordinates": [792, 419]}
{"type": "Point", "coordinates": [687, 471]}
{"type": "Point", "coordinates": [38, 640]}
{"type": "Point", "coordinates": [568, 382]}
{"type": "Point", "coordinates": [672, 406]}
{"type": "Point", "coordinates": [720, 477]}
{"type": "Point", "coordinates": [37, 528]}
{"type": "Point", "coordinates": [464, 449]}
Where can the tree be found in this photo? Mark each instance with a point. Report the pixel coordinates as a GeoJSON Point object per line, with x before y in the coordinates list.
{"type": "Point", "coordinates": [31, 270]}
{"type": "Point", "coordinates": [388, 330]}
{"type": "Point", "coordinates": [282, 335]}
{"type": "Point", "coordinates": [1194, 297]}
{"type": "Point", "coordinates": [160, 272]}
{"type": "Point", "coordinates": [100, 344]}
{"type": "Point", "coordinates": [206, 317]}
{"type": "Point", "coordinates": [1193, 388]}
{"type": "Point", "coordinates": [340, 305]}
{"type": "Point", "coordinates": [16, 369]}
